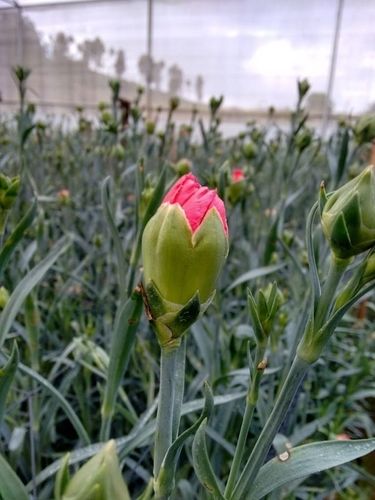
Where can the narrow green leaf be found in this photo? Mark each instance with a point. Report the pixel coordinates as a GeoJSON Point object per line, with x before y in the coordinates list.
{"type": "Point", "coordinates": [122, 342]}
{"type": "Point", "coordinates": [16, 236]}
{"type": "Point", "coordinates": [140, 436]}
{"type": "Point", "coordinates": [11, 487]}
{"type": "Point", "coordinates": [165, 479]}
{"type": "Point", "coordinates": [306, 460]}
{"type": "Point", "coordinates": [119, 251]}
{"type": "Point", "coordinates": [6, 378]}
{"type": "Point", "coordinates": [202, 466]}
{"type": "Point", "coordinates": [256, 273]}
{"type": "Point", "coordinates": [65, 405]}
{"type": "Point", "coordinates": [25, 286]}
{"type": "Point", "coordinates": [62, 478]}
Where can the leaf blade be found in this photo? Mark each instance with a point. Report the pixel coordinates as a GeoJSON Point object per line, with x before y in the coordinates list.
{"type": "Point", "coordinates": [306, 460]}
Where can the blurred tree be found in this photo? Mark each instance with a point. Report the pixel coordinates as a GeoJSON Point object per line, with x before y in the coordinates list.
{"type": "Point", "coordinates": [151, 69]}
{"type": "Point", "coordinates": [145, 67]}
{"type": "Point", "coordinates": [199, 87]}
{"type": "Point", "coordinates": [175, 80]}
{"type": "Point", "coordinates": [120, 65]}
{"type": "Point", "coordinates": [157, 68]}
{"type": "Point", "coordinates": [317, 103]}
{"type": "Point", "coordinates": [92, 51]}
{"type": "Point", "coordinates": [61, 44]}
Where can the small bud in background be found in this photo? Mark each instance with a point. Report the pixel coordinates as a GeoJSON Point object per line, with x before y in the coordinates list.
{"type": "Point", "coordinates": [174, 103]}
{"type": "Point", "coordinates": [4, 297]}
{"type": "Point", "coordinates": [303, 87]}
{"type": "Point", "coordinates": [343, 437]}
{"type": "Point", "coordinates": [115, 86]}
{"type": "Point", "coordinates": [238, 175]}
{"type": "Point", "coordinates": [183, 166]}
{"type": "Point", "coordinates": [348, 216]}
{"type": "Point", "coordinates": [263, 309]}
{"type": "Point", "coordinates": [184, 247]}
{"type": "Point", "coordinates": [9, 189]}
{"type": "Point", "coordinates": [135, 113]}
{"type": "Point", "coordinates": [364, 129]}
{"type": "Point", "coordinates": [303, 139]}
{"type": "Point", "coordinates": [102, 106]}
{"type": "Point", "coordinates": [21, 73]}
{"type": "Point", "coordinates": [64, 196]}
{"type": "Point", "coordinates": [150, 127]}
{"type": "Point", "coordinates": [100, 478]}
{"type": "Point", "coordinates": [118, 152]}
{"type": "Point", "coordinates": [215, 104]}
{"type": "Point", "coordinates": [288, 237]}
{"type": "Point", "coordinates": [237, 186]}
{"type": "Point", "coordinates": [249, 150]}
{"type": "Point", "coordinates": [146, 196]}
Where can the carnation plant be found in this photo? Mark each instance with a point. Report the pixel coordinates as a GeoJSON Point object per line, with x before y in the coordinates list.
{"type": "Point", "coordinates": [262, 333]}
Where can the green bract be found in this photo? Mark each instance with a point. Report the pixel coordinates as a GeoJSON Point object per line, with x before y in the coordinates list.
{"type": "Point", "coordinates": [181, 267]}
{"type": "Point", "coordinates": [348, 216]}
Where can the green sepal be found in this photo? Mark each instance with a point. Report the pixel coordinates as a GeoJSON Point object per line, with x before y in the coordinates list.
{"type": "Point", "coordinates": [340, 238]}
{"type": "Point", "coordinates": [186, 316]}
{"type": "Point", "coordinates": [171, 326]}
{"type": "Point", "coordinates": [322, 197]}
{"type": "Point", "coordinates": [155, 300]}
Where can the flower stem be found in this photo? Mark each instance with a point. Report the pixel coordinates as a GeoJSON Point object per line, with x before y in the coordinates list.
{"type": "Point", "coordinates": [164, 418]}
{"type": "Point", "coordinates": [251, 400]}
{"type": "Point", "coordinates": [264, 442]}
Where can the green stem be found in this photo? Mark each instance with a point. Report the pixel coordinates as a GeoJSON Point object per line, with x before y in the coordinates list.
{"type": "Point", "coordinates": [179, 386]}
{"type": "Point", "coordinates": [264, 442]}
{"type": "Point", "coordinates": [251, 400]}
{"type": "Point", "coordinates": [164, 418]}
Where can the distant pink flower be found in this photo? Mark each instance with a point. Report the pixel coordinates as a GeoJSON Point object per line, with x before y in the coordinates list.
{"type": "Point", "coordinates": [343, 437]}
{"type": "Point", "coordinates": [196, 201]}
{"type": "Point", "coordinates": [238, 174]}
{"type": "Point", "coordinates": [63, 195]}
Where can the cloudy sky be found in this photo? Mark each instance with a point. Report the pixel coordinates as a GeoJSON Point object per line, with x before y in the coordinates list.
{"type": "Point", "coordinates": [250, 51]}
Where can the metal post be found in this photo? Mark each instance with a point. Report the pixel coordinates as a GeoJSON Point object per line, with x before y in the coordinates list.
{"type": "Point", "coordinates": [332, 69]}
{"type": "Point", "coordinates": [19, 55]}
{"type": "Point", "coordinates": [149, 54]}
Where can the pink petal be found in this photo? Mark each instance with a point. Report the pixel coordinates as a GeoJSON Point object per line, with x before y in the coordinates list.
{"type": "Point", "coordinates": [196, 201]}
{"type": "Point", "coordinates": [197, 206]}
{"type": "Point", "coordinates": [182, 190]}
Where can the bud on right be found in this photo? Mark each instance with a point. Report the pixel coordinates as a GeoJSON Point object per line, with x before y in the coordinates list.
{"type": "Point", "coordinates": [348, 216]}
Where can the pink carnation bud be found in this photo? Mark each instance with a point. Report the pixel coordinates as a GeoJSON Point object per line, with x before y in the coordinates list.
{"type": "Point", "coordinates": [196, 201]}
{"type": "Point", "coordinates": [238, 174]}
{"type": "Point", "coordinates": [184, 247]}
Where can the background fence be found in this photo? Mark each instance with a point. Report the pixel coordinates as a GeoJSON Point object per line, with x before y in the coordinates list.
{"type": "Point", "coordinates": [250, 52]}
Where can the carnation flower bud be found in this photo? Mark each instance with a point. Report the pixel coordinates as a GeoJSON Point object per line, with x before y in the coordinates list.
{"type": "Point", "coordinates": [348, 216]}
{"type": "Point", "coordinates": [303, 87]}
{"type": "Point", "coordinates": [100, 477]}
{"type": "Point", "coordinates": [364, 129]}
{"type": "Point", "coordinates": [237, 187]}
{"type": "Point", "coordinates": [184, 247]}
